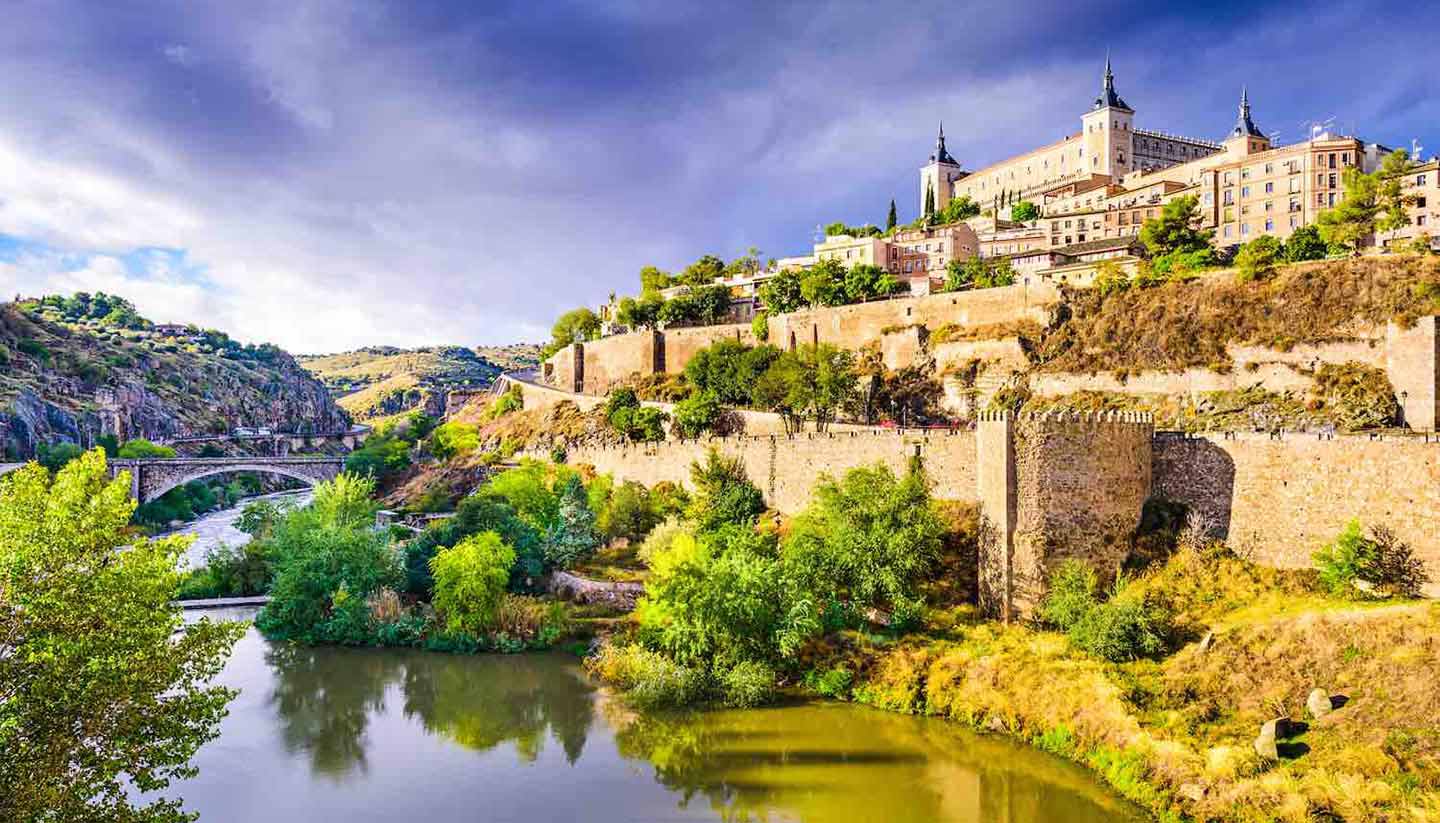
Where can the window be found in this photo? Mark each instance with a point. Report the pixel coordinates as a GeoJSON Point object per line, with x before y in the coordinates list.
{"type": "Point", "coordinates": [1209, 198]}
{"type": "Point", "coordinates": [1229, 198]}
{"type": "Point", "coordinates": [1332, 198]}
{"type": "Point", "coordinates": [1294, 185]}
{"type": "Point", "coordinates": [1269, 188]}
{"type": "Point", "coordinates": [1294, 222]}
{"type": "Point", "coordinates": [1420, 202]}
{"type": "Point", "coordinates": [1227, 231]}
{"type": "Point", "coordinates": [1294, 204]}
{"type": "Point", "coordinates": [1244, 229]}
{"type": "Point", "coordinates": [1269, 168]}
{"type": "Point", "coordinates": [1420, 180]}
{"type": "Point", "coordinates": [1244, 191]}
{"type": "Point", "coordinates": [1332, 159]}
{"type": "Point", "coordinates": [1229, 178]}
{"type": "Point", "coordinates": [1269, 225]}
{"type": "Point", "coordinates": [1420, 221]}
{"type": "Point", "coordinates": [1345, 159]}
{"type": "Point", "coordinates": [1332, 181]}
{"type": "Point", "coordinates": [1269, 205]}
{"type": "Point", "coordinates": [1245, 174]}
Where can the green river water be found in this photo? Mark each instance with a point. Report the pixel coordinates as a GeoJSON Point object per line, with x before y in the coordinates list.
{"type": "Point", "coordinates": [321, 734]}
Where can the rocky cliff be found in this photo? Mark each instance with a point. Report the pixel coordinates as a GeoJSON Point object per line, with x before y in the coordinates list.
{"type": "Point", "coordinates": [73, 375]}
{"type": "Point", "coordinates": [381, 381]}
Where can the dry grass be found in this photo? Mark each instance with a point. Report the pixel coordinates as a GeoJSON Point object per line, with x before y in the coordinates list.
{"type": "Point", "coordinates": [955, 332]}
{"type": "Point", "coordinates": [1183, 325]}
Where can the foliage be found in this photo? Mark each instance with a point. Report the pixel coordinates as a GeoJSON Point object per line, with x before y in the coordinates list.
{"type": "Point", "coordinates": [1358, 566]}
{"type": "Point", "coordinates": [747, 684]}
{"type": "Point", "coordinates": [629, 513]}
{"type": "Point", "coordinates": [723, 493]}
{"type": "Point", "coordinates": [696, 415]}
{"type": "Point", "coordinates": [647, 678]}
{"type": "Point", "coordinates": [1257, 259]}
{"type": "Point", "coordinates": [1110, 278]}
{"type": "Point", "coordinates": [486, 511]}
{"type": "Point", "coordinates": [1024, 211]}
{"type": "Point", "coordinates": [1358, 395]}
{"type": "Point", "coordinates": [574, 326]}
{"type": "Point", "coordinates": [866, 541]}
{"type": "Point", "coordinates": [54, 456]}
{"type": "Point", "coordinates": [512, 400]}
{"type": "Point", "coordinates": [455, 438]}
{"type": "Point", "coordinates": [868, 282]}
{"type": "Point", "coordinates": [328, 561]}
{"type": "Point", "coordinates": [959, 208]}
{"type": "Point", "coordinates": [628, 417]}
{"type": "Point", "coordinates": [652, 280]}
{"type": "Point", "coordinates": [840, 229]}
{"type": "Point", "coordinates": [833, 683]}
{"type": "Point", "coordinates": [782, 293]}
{"type": "Point", "coordinates": [727, 370]}
{"type": "Point", "coordinates": [572, 538]}
{"type": "Point", "coordinates": [642, 313]}
{"type": "Point", "coordinates": [89, 641]}
{"type": "Point", "coordinates": [705, 305]}
{"type": "Point", "coordinates": [1305, 244]}
{"type": "Point", "coordinates": [230, 571]}
{"type": "Point", "coordinates": [813, 381]}
{"type": "Point", "coordinates": [1174, 230]}
{"type": "Point", "coordinates": [1123, 627]}
{"type": "Point", "coordinates": [890, 218]}
{"type": "Point", "coordinates": [702, 272]}
{"type": "Point", "coordinates": [381, 456]}
{"type": "Point", "coordinates": [823, 284]}
{"type": "Point", "coordinates": [470, 579]}
{"type": "Point", "coordinates": [760, 325]}
{"type": "Point", "coordinates": [141, 448]}
{"type": "Point", "coordinates": [979, 272]}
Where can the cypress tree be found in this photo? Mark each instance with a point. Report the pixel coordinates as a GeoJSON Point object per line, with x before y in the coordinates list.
{"type": "Point", "coordinates": [929, 200]}
{"type": "Point", "coordinates": [890, 221]}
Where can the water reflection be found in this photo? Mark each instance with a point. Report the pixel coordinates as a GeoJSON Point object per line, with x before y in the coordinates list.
{"type": "Point", "coordinates": [384, 735]}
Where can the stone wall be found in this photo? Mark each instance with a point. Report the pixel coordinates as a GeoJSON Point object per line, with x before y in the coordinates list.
{"type": "Point", "coordinates": [1281, 499]}
{"type": "Point", "coordinates": [786, 468]}
{"type": "Point", "coordinates": [680, 345]}
{"type": "Point", "coordinates": [611, 360]}
{"type": "Point", "coordinates": [852, 327]}
{"type": "Point", "coordinates": [1413, 363]}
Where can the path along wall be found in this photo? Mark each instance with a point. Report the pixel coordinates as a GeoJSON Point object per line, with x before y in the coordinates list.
{"type": "Point", "coordinates": [1279, 500]}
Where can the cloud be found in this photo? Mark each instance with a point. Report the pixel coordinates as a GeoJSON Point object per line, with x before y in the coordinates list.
{"type": "Point", "coordinates": [327, 174]}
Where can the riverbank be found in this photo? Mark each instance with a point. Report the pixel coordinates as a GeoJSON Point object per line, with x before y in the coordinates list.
{"type": "Point", "coordinates": [219, 528]}
{"type": "Point", "coordinates": [1176, 734]}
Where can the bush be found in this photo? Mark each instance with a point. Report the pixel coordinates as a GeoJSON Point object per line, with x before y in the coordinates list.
{"type": "Point", "coordinates": [240, 571]}
{"type": "Point", "coordinates": [54, 456]}
{"type": "Point", "coordinates": [380, 457]}
{"type": "Point", "coordinates": [572, 538]}
{"type": "Point", "coordinates": [832, 683]}
{"type": "Point", "coordinates": [647, 678]}
{"type": "Point", "coordinates": [141, 448]}
{"type": "Point", "coordinates": [747, 684]}
{"type": "Point", "coordinates": [723, 493]}
{"type": "Point", "coordinates": [696, 415]}
{"type": "Point", "coordinates": [1305, 244]}
{"type": "Point", "coordinates": [760, 326]}
{"type": "Point", "coordinates": [315, 563]}
{"type": "Point", "coordinates": [454, 438]}
{"type": "Point", "coordinates": [1124, 627]}
{"type": "Point", "coordinates": [629, 513]}
{"type": "Point", "coordinates": [1360, 396]}
{"type": "Point", "coordinates": [1359, 567]}
{"type": "Point", "coordinates": [470, 578]}
{"type": "Point", "coordinates": [1258, 258]}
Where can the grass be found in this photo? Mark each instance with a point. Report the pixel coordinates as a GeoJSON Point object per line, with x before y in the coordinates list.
{"type": "Point", "coordinates": [1174, 734]}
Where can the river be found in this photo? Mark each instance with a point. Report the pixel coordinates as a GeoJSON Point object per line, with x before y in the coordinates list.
{"type": "Point", "coordinates": [393, 735]}
{"type": "Point", "coordinates": [218, 527]}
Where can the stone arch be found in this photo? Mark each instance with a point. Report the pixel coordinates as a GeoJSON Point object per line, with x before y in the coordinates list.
{"type": "Point", "coordinates": [151, 478]}
{"type": "Point", "coordinates": [149, 494]}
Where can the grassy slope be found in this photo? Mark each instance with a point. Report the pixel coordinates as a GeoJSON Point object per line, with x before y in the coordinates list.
{"type": "Point", "coordinates": [383, 381]}
{"type": "Point", "coordinates": [1175, 735]}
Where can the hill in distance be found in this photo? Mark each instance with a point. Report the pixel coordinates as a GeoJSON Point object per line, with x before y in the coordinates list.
{"type": "Point", "coordinates": [382, 381]}
{"type": "Point", "coordinates": [75, 368]}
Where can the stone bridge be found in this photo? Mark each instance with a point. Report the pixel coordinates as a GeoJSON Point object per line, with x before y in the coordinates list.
{"type": "Point", "coordinates": [152, 477]}
{"type": "Point", "coordinates": [281, 443]}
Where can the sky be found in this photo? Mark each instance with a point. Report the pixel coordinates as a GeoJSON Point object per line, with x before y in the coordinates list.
{"type": "Point", "coordinates": [326, 175]}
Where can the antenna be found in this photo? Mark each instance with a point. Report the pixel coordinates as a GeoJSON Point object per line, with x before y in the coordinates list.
{"type": "Point", "coordinates": [819, 233]}
{"type": "Point", "coordinates": [1415, 149]}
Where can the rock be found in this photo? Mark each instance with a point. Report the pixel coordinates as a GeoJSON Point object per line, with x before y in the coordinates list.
{"type": "Point", "coordinates": [1207, 641]}
{"type": "Point", "coordinates": [1319, 703]}
{"type": "Point", "coordinates": [995, 724]}
{"type": "Point", "coordinates": [1265, 744]}
{"type": "Point", "coordinates": [1194, 792]}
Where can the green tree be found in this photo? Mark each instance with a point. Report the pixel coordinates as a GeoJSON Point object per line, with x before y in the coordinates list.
{"type": "Point", "coordinates": [1391, 196]}
{"type": "Point", "coordinates": [1305, 244]}
{"type": "Point", "coordinates": [470, 580]}
{"type": "Point", "coordinates": [1256, 260]}
{"type": "Point", "coordinates": [54, 456]}
{"type": "Point", "coordinates": [723, 494]}
{"type": "Point", "coordinates": [573, 537]}
{"type": "Point", "coordinates": [959, 208]}
{"type": "Point", "coordinates": [454, 438]}
{"type": "Point", "coordinates": [1024, 211]}
{"type": "Point", "coordinates": [574, 326]}
{"type": "Point", "coordinates": [1174, 230]}
{"type": "Point", "coordinates": [382, 456]}
{"type": "Point", "coordinates": [140, 448]}
{"type": "Point", "coordinates": [929, 210]}
{"type": "Point", "coordinates": [963, 274]}
{"type": "Point", "coordinates": [1353, 221]}
{"type": "Point", "coordinates": [891, 218]}
{"type": "Point", "coordinates": [652, 280]}
{"type": "Point", "coordinates": [866, 282]}
{"type": "Point", "coordinates": [782, 293]}
{"type": "Point", "coordinates": [696, 414]}
{"type": "Point", "coordinates": [99, 687]}
{"type": "Point", "coordinates": [702, 272]}
{"type": "Point", "coordinates": [824, 284]}
{"type": "Point", "coordinates": [630, 513]}
{"type": "Point", "coordinates": [999, 273]}
{"type": "Point", "coordinates": [867, 540]}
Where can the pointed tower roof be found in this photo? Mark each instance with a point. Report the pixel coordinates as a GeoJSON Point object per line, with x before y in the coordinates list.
{"type": "Point", "coordinates": [941, 155]}
{"type": "Point", "coordinates": [1244, 126]}
{"type": "Point", "coordinates": [1108, 98]}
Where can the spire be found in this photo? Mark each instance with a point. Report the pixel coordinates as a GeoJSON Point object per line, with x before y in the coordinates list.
{"type": "Point", "coordinates": [941, 155]}
{"type": "Point", "coordinates": [1108, 98]}
{"type": "Point", "coordinates": [1244, 126]}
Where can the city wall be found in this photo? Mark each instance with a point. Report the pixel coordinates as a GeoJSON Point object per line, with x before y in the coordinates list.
{"type": "Point", "coordinates": [1281, 499]}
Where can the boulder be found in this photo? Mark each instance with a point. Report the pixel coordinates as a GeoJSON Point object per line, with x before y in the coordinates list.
{"type": "Point", "coordinates": [1319, 703]}
{"type": "Point", "coordinates": [1265, 744]}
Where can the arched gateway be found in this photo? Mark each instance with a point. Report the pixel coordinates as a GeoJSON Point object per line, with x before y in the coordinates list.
{"type": "Point", "coordinates": [152, 477]}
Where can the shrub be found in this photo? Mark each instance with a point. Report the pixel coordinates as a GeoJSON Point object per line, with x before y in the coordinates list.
{"type": "Point", "coordinates": [629, 513]}
{"type": "Point", "coordinates": [470, 578]}
{"type": "Point", "coordinates": [1360, 396]}
{"type": "Point", "coordinates": [1071, 596]}
{"type": "Point", "coordinates": [832, 683]}
{"type": "Point", "coordinates": [454, 438]}
{"type": "Point", "coordinates": [1381, 564]}
{"type": "Point", "coordinates": [54, 456]}
{"type": "Point", "coordinates": [723, 493]}
{"type": "Point", "coordinates": [1305, 244]}
{"type": "Point", "coordinates": [573, 537]}
{"type": "Point", "coordinates": [535, 622]}
{"type": "Point", "coordinates": [239, 571]}
{"type": "Point", "coordinates": [1257, 259]}
{"type": "Point", "coordinates": [747, 684]}
{"type": "Point", "coordinates": [647, 678]}
{"type": "Point", "coordinates": [760, 326]}
{"type": "Point", "coordinates": [315, 560]}
{"type": "Point", "coordinates": [696, 415]}
{"type": "Point", "coordinates": [381, 456]}
{"type": "Point", "coordinates": [1124, 627]}
{"type": "Point", "coordinates": [142, 448]}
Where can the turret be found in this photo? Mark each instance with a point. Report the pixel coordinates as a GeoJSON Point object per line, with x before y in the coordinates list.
{"type": "Point", "coordinates": [1246, 138]}
{"type": "Point", "coordinates": [938, 176]}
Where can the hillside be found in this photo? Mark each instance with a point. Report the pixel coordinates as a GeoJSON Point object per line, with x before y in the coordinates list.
{"type": "Point", "coordinates": [72, 369]}
{"type": "Point", "coordinates": [381, 381]}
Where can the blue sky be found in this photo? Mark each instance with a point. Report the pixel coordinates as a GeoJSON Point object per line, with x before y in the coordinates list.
{"type": "Point", "coordinates": [326, 175]}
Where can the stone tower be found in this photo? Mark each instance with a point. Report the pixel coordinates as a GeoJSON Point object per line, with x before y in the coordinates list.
{"type": "Point", "coordinates": [1108, 131]}
{"type": "Point", "coordinates": [939, 175]}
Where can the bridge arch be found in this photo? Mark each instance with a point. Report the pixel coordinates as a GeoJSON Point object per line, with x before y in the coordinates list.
{"type": "Point", "coordinates": [150, 478]}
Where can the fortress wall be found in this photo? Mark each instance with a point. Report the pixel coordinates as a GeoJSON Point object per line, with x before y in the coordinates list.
{"type": "Point", "coordinates": [1081, 481]}
{"type": "Point", "coordinates": [680, 345]}
{"type": "Point", "coordinates": [1413, 362]}
{"type": "Point", "coordinates": [1275, 377]}
{"type": "Point", "coordinates": [854, 326]}
{"type": "Point", "coordinates": [1281, 500]}
{"type": "Point", "coordinates": [1005, 351]}
{"type": "Point", "coordinates": [612, 359]}
{"type": "Point", "coordinates": [787, 468]}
